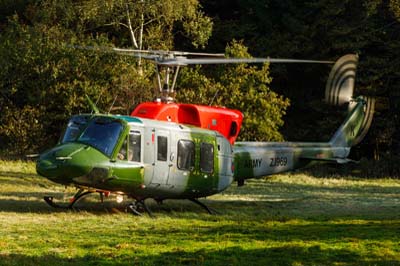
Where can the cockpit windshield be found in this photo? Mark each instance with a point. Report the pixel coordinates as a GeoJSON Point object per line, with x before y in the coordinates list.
{"type": "Point", "coordinates": [75, 126]}
{"type": "Point", "coordinates": [102, 133]}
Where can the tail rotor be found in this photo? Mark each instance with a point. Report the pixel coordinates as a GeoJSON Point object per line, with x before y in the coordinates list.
{"type": "Point", "coordinates": [340, 86]}
{"type": "Point", "coordinates": [340, 91]}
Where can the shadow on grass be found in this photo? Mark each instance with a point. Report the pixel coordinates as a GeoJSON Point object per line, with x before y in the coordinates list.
{"type": "Point", "coordinates": [36, 204]}
{"type": "Point", "coordinates": [260, 199]}
{"type": "Point", "coordinates": [289, 255]}
{"type": "Point", "coordinates": [268, 209]}
{"type": "Point", "coordinates": [266, 188]}
{"type": "Point", "coordinates": [265, 256]}
{"type": "Point", "coordinates": [18, 174]}
{"type": "Point", "coordinates": [33, 202]}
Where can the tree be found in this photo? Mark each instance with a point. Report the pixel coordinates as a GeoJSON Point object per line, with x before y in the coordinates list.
{"type": "Point", "coordinates": [147, 24]}
{"type": "Point", "coordinates": [43, 81]}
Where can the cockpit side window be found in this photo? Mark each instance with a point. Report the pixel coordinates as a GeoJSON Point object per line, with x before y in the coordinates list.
{"type": "Point", "coordinates": [123, 152]}
{"type": "Point", "coordinates": [135, 145]}
{"type": "Point", "coordinates": [131, 147]}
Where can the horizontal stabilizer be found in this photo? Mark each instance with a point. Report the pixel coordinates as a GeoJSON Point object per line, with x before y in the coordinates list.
{"type": "Point", "coordinates": [333, 160]}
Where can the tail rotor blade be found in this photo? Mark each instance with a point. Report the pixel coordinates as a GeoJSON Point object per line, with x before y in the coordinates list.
{"type": "Point", "coordinates": [366, 124]}
{"type": "Point", "coordinates": [340, 86]}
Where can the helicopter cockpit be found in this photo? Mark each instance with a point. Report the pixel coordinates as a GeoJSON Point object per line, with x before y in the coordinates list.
{"type": "Point", "coordinates": [103, 133]}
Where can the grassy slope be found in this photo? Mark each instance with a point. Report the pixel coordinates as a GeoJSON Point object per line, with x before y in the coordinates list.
{"type": "Point", "coordinates": [284, 220]}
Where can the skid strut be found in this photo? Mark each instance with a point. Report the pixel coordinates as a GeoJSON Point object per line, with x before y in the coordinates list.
{"type": "Point", "coordinates": [138, 207]}
{"type": "Point", "coordinates": [77, 197]}
{"type": "Point", "coordinates": [208, 209]}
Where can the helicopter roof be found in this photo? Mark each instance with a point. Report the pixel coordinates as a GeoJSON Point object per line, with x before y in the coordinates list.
{"type": "Point", "coordinates": [223, 120]}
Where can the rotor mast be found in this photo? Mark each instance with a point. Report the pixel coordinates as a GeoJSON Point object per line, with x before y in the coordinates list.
{"type": "Point", "coordinates": [165, 88]}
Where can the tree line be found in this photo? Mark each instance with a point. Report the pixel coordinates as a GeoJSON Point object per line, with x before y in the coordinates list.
{"type": "Point", "coordinates": [324, 29]}
{"type": "Point", "coordinates": [44, 79]}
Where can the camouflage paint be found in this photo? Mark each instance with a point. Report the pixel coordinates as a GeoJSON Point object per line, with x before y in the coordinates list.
{"type": "Point", "coordinates": [201, 183]}
{"type": "Point", "coordinates": [83, 165]}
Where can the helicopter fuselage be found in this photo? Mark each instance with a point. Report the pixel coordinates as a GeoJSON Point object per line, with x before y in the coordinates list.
{"type": "Point", "coordinates": [145, 158]}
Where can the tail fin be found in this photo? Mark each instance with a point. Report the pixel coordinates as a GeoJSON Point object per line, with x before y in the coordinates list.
{"type": "Point", "coordinates": [339, 91]}
{"type": "Point", "coordinates": [356, 125]}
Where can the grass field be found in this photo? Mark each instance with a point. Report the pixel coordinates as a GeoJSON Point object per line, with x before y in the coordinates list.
{"type": "Point", "coordinates": [292, 219]}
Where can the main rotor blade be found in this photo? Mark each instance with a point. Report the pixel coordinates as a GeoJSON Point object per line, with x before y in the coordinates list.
{"type": "Point", "coordinates": [130, 52]}
{"type": "Point", "coordinates": [148, 54]}
{"type": "Point", "coordinates": [168, 54]}
{"type": "Point", "coordinates": [183, 61]}
{"type": "Point", "coordinates": [178, 58]}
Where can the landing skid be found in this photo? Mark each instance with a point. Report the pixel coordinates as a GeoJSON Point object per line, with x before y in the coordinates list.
{"type": "Point", "coordinates": [208, 209]}
{"type": "Point", "coordinates": [138, 207]}
{"type": "Point", "coordinates": [77, 197]}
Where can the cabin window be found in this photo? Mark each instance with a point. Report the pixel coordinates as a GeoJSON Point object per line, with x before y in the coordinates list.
{"type": "Point", "coordinates": [186, 155]}
{"type": "Point", "coordinates": [162, 148]}
{"type": "Point", "coordinates": [206, 157]}
{"type": "Point", "coordinates": [135, 145]}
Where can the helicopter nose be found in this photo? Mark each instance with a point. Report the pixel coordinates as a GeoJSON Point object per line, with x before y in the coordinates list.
{"type": "Point", "coordinates": [65, 162]}
{"type": "Point", "coordinates": [46, 168]}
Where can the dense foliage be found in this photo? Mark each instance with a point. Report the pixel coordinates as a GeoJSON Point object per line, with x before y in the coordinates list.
{"type": "Point", "coordinates": [43, 79]}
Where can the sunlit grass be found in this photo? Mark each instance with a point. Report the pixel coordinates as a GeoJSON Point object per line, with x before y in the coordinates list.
{"type": "Point", "coordinates": [292, 219]}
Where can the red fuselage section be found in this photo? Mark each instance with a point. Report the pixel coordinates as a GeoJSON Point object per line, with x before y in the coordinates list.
{"type": "Point", "coordinates": [225, 121]}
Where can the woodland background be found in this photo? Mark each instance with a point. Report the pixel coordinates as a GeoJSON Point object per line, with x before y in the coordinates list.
{"type": "Point", "coordinates": [43, 79]}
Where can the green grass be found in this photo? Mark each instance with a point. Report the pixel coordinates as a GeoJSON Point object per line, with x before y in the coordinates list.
{"type": "Point", "coordinates": [292, 219]}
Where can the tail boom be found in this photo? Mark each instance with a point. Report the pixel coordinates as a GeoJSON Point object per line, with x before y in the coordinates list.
{"type": "Point", "coordinates": [257, 159]}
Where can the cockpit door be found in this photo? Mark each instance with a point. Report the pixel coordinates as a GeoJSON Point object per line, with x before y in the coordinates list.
{"type": "Point", "coordinates": [162, 162]}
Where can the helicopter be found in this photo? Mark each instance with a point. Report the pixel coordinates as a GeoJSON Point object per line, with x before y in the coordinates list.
{"type": "Point", "coordinates": [167, 150]}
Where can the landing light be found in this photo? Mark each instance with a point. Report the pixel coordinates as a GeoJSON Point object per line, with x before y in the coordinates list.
{"type": "Point", "coordinates": [120, 198]}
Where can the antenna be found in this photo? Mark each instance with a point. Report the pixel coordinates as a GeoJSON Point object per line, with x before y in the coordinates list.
{"type": "Point", "coordinates": [92, 105]}
{"type": "Point", "coordinates": [112, 105]}
{"type": "Point", "coordinates": [215, 96]}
